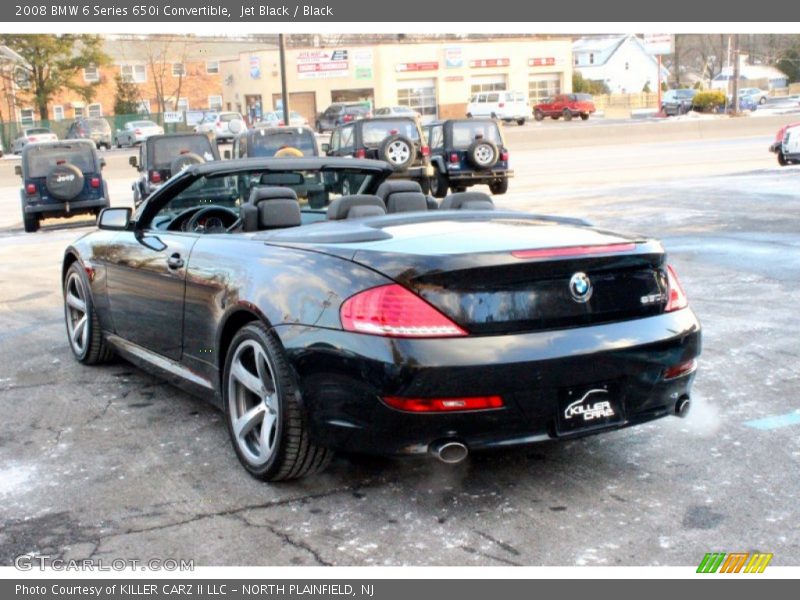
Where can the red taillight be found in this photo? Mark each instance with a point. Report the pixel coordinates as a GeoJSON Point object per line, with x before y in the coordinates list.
{"type": "Point", "coordinates": [454, 158]}
{"type": "Point", "coordinates": [155, 177]}
{"type": "Point", "coordinates": [573, 251]}
{"type": "Point", "coordinates": [677, 297]}
{"type": "Point", "coordinates": [444, 404]}
{"type": "Point", "coordinates": [361, 153]}
{"type": "Point", "coordinates": [30, 189]}
{"type": "Point", "coordinates": [680, 369]}
{"type": "Point", "coordinates": [137, 131]}
{"type": "Point", "coordinates": [393, 311]}
{"type": "Point", "coordinates": [347, 118]}
{"type": "Point", "coordinates": [219, 125]}
{"type": "Point", "coordinates": [504, 155]}
{"type": "Point", "coordinates": [501, 105]}
{"type": "Point", "coordinates": [32, 138]}
{"type": "Point", "coordinates": [425, 151]}
{"type": "Point", "coordinates": [94, 182]}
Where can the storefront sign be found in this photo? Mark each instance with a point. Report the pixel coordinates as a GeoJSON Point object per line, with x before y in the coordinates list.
{"type": "Point", "coordinates": [658, 43]}
{"type": "Point", "coordinates": [173, 117]}
{"type": "Point", "coordinates": [453, 58]}
{"type": "Point", "coordinates": [318, 64]}
{"type": "Point", "coordinates": [417, 66]}
{"type": "Point", "coordinates": [545, 61]}
{"type": "Point", "coordinates": [362, 63]}
{"type": "Point", "coordinates": [489, 62]}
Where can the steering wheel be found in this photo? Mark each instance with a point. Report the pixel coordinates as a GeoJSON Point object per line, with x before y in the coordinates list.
{"type": "Point", "coordinates": [211, 219]}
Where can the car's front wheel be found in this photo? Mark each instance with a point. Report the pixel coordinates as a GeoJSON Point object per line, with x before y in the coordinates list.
{"type": "Point", "coordinates": [267, 426]}
{"type": "Point", "coordinates": [499, 187]}
{"type": "Point", "coordinates": [781, 160]}
{"type": "Point", "coordinates": [538, 115]}
{"type": "Point", "coordinates": [83, 327]}
{"type": "Point", "coordinates": [567, 115]}
{"type": "Point", "coordinates": [30, 222]}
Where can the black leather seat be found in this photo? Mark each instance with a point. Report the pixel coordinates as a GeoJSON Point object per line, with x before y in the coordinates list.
{"type": "Point", "coordinates": [402, 196]}
{"type": "Point", "coordinates": [270, 208]}
{"type": "Point", "coordinates": [467, 201]}
{"type": "Point", "coordinates": [355, 206]}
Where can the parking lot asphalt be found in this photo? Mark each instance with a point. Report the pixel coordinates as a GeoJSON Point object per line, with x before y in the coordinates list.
{"type": "Point", "coordinates": [110, 462]}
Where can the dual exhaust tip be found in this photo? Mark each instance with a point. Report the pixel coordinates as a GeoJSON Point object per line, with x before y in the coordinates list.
{"type": "Point", "coordinates": [452, 452]}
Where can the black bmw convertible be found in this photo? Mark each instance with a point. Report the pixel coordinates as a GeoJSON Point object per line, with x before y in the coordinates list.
{"type": "Point", "coordinates": [381, 321]}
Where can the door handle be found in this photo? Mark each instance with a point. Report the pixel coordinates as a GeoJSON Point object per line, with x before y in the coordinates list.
{"type": "Point", "coordinates": [175, 261]}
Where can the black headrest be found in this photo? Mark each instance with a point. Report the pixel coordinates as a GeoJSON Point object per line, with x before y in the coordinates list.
{"type": "Point", "coordinates": [467, 201]}
{"type": "Point", "coordinates": [406, 202]}
{"type": "Point", "coordinates": [355, 206]}
{"type": "Point", "coordinates": [258, 194]}
{"type": "Point", "coordinates": [396, 185]}
{"type": "Point", "coordinates": [279, 213]}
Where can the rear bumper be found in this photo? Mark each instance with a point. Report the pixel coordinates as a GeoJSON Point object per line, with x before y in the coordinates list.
{"type": "Point", "coordinates": [480, 176]}
{"type": "Point", "coordinates": [59, 209]}
{"type": "Point", "coordinates": [344, 375]}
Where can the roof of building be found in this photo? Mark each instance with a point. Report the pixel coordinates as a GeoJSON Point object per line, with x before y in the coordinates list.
{"type": "Point", "coordinates": [188, 48]}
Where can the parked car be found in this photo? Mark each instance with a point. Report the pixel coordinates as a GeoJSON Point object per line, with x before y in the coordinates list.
{"type": "Point", "coordinates": [217, 125]}
{"type": "Point", "coordinates": [340, 113]}
{"type": "Point", "coordinates": [163, 155]}
{"type": "Point", "coordinates": [396, 140]}
{"type": "Point", "coordinates": [96, 129]}
{"type": "Point", "coordinates": [758, 95]}
{"type": "Point", "coordinates": [268, 141]}
{"type": "Point", "coordinates": [566, 106]}
{"type": "Point", "coordinates": [437, 332]}
{"type": "Point", "coordinates": [60, 179]}
{"type": "Point", "coordinates": [31, 135]}
{"type": "Point", "coordinates": [787, 144]}
{"type": "Point", "coordinates": [136, 132]}
{"type": "Point", "coordinates": [466, 152]}
{"type": "Point", "coordinates": [677, 102]}
{"type": "Point", "coordinates": [504, 105]}
{"type": "Point", "coordinates": [274, 118]}
{"type": "Point", "coordinates": [396, 111]}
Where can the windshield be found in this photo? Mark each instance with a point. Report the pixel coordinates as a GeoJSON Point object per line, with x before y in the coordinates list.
{"type": "Point", "coordinates": [375, 132]}
{"type": "Point", "coordinates": [267, 143]}
{"type": "Point", "coordinates": [98, 125]}
{"type": "Point", "coordinates": [315, 189]}
{"type": "Point", "coordinates": [166, 149]}
{"type": "Point", "coordinates": [37, 131]}
{"type": "Point", "coordinates": [464, 133]}
{"type": "Point", "coordinates": [40, 159]}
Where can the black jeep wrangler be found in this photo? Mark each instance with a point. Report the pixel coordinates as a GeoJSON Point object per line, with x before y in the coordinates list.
{"type": "Point", "coordinates": [466, 152]}
{"type": "Point", "coordinates": [162, 156]}
{"type": "Point", "coordinates": [60, 179]}
{"type": "Point", "coordinates": [396, 140]}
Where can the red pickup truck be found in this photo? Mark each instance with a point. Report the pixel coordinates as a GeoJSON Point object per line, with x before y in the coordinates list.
{"type": "Point", "coordinates": [565, 105]}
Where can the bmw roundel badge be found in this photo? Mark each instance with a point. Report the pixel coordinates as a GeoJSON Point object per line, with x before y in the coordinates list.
{"type": "Point", "coordinates": [580, 287]}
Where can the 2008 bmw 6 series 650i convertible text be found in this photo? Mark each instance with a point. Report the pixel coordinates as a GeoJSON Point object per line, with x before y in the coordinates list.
{"type": "Point", "coordinates": [378, 322]}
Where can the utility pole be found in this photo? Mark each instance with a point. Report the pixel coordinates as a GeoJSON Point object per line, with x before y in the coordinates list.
{"type": "Point", "coordinates": [735, 99]}
{"type": "Point", "coordinates": [284, 92]}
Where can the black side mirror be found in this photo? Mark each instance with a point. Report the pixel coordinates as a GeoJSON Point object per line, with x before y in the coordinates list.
{"type": "Point", "coordinates": [326, 148]}
{"type": "Point", "coordinates": [18, 170]}
{"type": "Point", "coordinates": [133, 162]}
{"type": "Point", "coordinates": [114, 219]}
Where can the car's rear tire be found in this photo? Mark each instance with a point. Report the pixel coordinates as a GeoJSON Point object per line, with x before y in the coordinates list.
{"type": "Point", "coordinates": [567, 115]}
{"type": "Point", "coordinates": [30, 222]}
{"type": "Point", "coordinates": [83, 327]}
{"type": "Point", "coordinates": [439, 184]}
{"type": "Point", "coordinates": [538, 115]}
{"type": "Point", "coordinates": [782, 159]}
{"type": "Point", "coordinates": [499, 187]}
{"type": "Point", "coordinates": [268, 428]}
{"type": "Point", "coordinates": [520, 121]}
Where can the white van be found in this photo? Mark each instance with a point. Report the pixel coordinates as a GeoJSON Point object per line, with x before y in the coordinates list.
{"type": "Point", "coordinates": [504, 105]}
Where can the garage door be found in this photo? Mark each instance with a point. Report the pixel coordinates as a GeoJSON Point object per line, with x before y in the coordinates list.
{"type": "Point", "coordinates": [487, 83]}
{"type": "Point", "coordinates": [303, 102]}
{"type": "Point", "coordinates": [420, 95]}
{"type": "Point", "coordinates": [543, 86]}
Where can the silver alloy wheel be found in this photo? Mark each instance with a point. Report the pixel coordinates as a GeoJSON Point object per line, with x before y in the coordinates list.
{"type": "Point", "coordinates": [484, 154]}
{"type": "Point", "coordinates": [77, 315]}
{"type": "Point", "coordinates": [398, 152]}
{"type": "Point", "coordinates": [253, 403]}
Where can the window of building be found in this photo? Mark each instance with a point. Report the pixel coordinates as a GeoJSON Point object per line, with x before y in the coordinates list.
{"type": "Point", "coordinates": [212, 67]}
{"type": "Point", "coordinates": [91, 74]}
{"type": "Point", "coordinates": [79, 112]}
{"type": "Point", "coordinates": [576, 61]}
{"type": "Point", "coordinates": [418, 95]}
{"type": "Point", "coordinates": [26, 116]}
{"type": "Point", "coordinates": [591, 58]}
{"type": "Point", "coordinates": [134, 73]}
{"type": "Point", "coordinates": [487, 83]}
{"type": "Point", "coordinates": [58, 112]}
{"type": "Point", "coordinates": [627, 66]}
{"type": "Point", "coordinates": [215, 103]}
{"type": "Point", "coordinates": [178, 70]}
{"type": "Point", "coordinates": [95, 110]}
{"type": "Point", "coordinates": [543, 86]}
